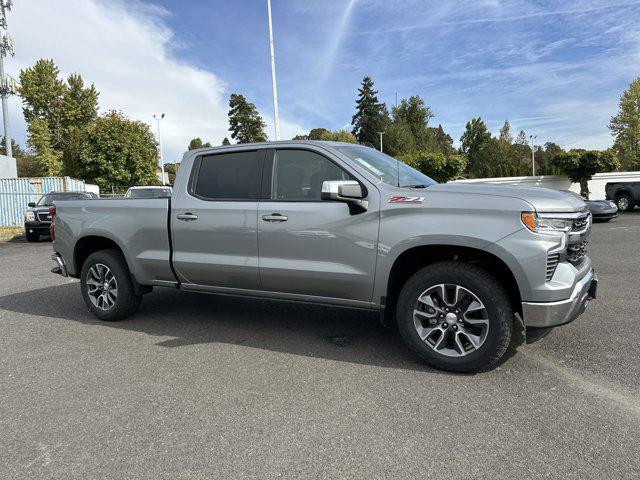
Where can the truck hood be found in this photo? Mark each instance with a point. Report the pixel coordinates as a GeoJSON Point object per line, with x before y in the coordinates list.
{"type": "Point", "coordinates": [542, 199]}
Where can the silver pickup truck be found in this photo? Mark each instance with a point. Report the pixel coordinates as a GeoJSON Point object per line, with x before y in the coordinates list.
{"type": "Point", "coordinates": [458, 267]}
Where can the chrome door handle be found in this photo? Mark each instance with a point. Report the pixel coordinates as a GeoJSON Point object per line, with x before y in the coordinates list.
{"type": "Point", "coordinates": [275, 217]}
{"type": "Point", "coordinates": [187, 216]}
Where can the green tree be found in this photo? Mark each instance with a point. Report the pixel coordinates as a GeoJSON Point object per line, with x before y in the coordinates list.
{"type": "Point", "coordinates": [120, 152]}
{"type": "Point", "coordinates": [48, 160]}
{"type": "Point", "coordinates": [580, 165]}
{"type": "Point", "coordinates": [625, 126]}
{"type": "Point", "coordinates": [473, 142]}
{"type": "Point", "coordinates": [245, 123]}
{"type": "Point", "coordinates": [415, 114]}
{"type": "Point", "coordinates": [436, 165]}
{"type": "Point", "coordinates": [42, 95]}
{"type": "Point", "coordinates": [196, 143]}
{"type": "Point", "coordinates": [369, 118]}
{"type": "Point", "coordinates": [225, 141]}
{"type": "Point", "coordinates": [171, 169]}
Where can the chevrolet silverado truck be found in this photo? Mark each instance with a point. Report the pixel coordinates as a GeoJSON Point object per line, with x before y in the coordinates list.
{"type": "Point", "coordinates": [458, 267]}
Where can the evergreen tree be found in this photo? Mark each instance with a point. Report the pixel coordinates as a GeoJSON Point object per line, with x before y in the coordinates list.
{"type": "Point", "coordinates": [473, 142]}
{"type": "Point", "coordinates": [245, 123]}
{"type": "Point", "coordinates": [225, 141]}
{"type": "Point", "coordinates": [197, 143]}
{"type": "Point", "coordinates": [368, 119]}
{"type": "Point", "coordinates": [625, 126]}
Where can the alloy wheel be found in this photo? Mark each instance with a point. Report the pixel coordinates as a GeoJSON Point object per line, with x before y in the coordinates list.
{"type": "Point", "coordinates": [102, 287]}
{"type": "Point", "coordinates": [451, 320]}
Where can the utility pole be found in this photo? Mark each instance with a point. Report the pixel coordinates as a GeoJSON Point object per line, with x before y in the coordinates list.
{"type": "Point", "coordinates": [533, 155]}
{"type": "Point", "coordinates": [276, 120]}
{"type": "Point", "coordinates": [157, 119]}
{"type": "Point", "coordinates": [7, 84]}
{"type": "Point", "coordinates": [380, 133]}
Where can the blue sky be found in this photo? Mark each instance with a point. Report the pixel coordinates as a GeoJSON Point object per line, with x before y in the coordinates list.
{"type": "Point", "coordinates": [553, 68]}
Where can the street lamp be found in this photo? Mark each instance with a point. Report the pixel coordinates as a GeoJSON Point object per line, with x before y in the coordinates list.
{"type": "Point", "coordinates": [533, 155]}
{"type": "Point", "coordinates": [157, 119]}
{"type": "Point", "coordinates": [7, 85]}
{"type": "Point", "coordinates": [381, 133]}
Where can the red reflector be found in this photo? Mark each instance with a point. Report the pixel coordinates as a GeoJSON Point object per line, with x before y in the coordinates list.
{"type": "Point", "coordinates": [52, 213]}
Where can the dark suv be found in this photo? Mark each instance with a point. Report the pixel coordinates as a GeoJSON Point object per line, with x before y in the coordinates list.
{"type": "Point", "coordinates": [37, 219]}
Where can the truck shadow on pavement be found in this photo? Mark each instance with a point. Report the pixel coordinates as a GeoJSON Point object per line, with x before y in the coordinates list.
{"type": "Point", "coordinates": [340, 334]}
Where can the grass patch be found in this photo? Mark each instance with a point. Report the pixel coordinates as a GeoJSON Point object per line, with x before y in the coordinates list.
{"type": "Point", "coordinates": [10, 232]}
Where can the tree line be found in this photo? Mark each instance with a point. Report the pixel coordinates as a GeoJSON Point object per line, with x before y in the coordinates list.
{"type": "Point", "coordinates": [68, 136]}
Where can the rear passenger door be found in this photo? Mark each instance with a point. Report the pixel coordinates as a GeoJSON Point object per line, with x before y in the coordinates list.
{"type": "Point", "coordinates": [309, 246]}
{"type": "Point", "coordinates": [214, 225]}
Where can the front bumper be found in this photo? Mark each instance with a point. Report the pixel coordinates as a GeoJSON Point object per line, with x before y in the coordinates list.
{"type": "Point", "coordinates": [37, 226]}
{"type": "Point", "coordinates": [552, 314]}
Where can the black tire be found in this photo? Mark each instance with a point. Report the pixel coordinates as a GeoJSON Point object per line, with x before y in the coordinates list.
{"type": "Point", "coordinates": [126, 302]}
{"type": "Point", "coordinates": [624, 202]}
{"type": "Point", "coordinates": [484, 286]}
{"type": "Point", "coordinates": [32, 237]}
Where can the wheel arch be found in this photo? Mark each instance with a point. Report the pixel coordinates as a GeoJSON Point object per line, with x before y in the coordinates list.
{"type": "Point", "coordinates": [89, 244]}
{"type": "Point", "coordinates": [418, 257]}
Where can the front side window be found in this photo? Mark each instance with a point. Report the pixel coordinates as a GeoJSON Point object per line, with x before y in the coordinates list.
{"type": "Point", "coordinates": [233, 176]}
{"type": "Point", "coordinates": [298, 175]}
{"type": "Point", "coordinates": [387, 169]}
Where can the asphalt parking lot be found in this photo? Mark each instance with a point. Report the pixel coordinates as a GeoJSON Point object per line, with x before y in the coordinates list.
{"type": "Point", "coordinates": [200, 386]}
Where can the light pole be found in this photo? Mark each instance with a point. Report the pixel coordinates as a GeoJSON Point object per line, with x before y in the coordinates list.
{"type": "Point", "coordinates": [381, 133]}
{"type": "Point", "coordinates": [533, 155]}
{"type": "Point", "coordinates": [276, 120]}
{"type": "Point", "coordinates": [6, 84]}
{"type": "Point", "coordinates": [157, 119]}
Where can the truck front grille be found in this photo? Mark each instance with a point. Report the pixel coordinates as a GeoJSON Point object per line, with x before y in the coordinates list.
{"type": "Point", "coordinates": [552, 264]}
{"type": "Point", "coordinates": [577, 252]}
{"type": "Point", "coordinates": [44, 217]}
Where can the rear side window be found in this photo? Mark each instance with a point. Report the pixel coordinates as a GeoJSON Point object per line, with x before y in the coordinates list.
{"type": "Point", "coordinates": [231, 176]}
{"type": "Point", "coordinates": [298, 175]}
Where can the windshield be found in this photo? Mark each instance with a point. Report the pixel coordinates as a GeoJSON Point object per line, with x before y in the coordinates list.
{"type": "Point", "coordinates": [384, 167]}
{"type": "Point", "coordinates": [49, 198]}
{"type": "Point", "coordinates": [149, 193]}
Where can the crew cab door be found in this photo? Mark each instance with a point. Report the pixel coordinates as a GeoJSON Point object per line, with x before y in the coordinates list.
{"type": "Point", "coordinates": [309, 246]}
{"type": "Point", "coordinates": [214, 223]}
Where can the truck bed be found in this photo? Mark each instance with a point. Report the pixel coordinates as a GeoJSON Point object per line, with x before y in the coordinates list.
{"type": "Point", "coordinates": [138, 226]}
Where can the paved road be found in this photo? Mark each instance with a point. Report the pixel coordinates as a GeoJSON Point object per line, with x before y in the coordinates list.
{"type": "Point", "coordinates": [213, 387]}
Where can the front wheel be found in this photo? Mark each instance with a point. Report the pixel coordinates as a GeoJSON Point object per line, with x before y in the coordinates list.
{"type": "Point", "coordinates": [624, 202]}
{"type": "Point", "coordinates": [456, 317]}
{"type": "Point", "coordinates": [106, 286]}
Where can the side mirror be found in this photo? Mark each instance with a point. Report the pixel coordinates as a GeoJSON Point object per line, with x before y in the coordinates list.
{"type": "Point", "coordinates": [347, 191]}
{"type": "Point", "coordinates": [32, 204]}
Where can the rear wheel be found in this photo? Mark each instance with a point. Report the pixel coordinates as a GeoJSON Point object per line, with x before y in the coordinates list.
{"type": "Point", "coordinates": [624, 202]}
{"type": "Point", "coordinates": [32, 236]}
{"type": "Point", "coordinates": [106, 286]}
{"type": "Point", "coordinates": [456, 317]}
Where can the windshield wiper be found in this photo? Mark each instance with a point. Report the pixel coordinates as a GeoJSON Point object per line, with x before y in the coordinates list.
{"type": "Point", "coordinates": [413, 186]}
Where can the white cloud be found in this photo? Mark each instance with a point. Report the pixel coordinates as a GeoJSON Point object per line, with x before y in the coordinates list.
{"type": "Point", "coordinates": [126, 50]}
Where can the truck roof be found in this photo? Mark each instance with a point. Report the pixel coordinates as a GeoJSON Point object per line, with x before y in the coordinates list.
{"type": "Point", "coordinates": [317, 143]}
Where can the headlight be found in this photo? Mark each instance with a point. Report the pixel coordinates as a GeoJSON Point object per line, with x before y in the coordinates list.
{"type": "Point", "coordinates": [29, 216]}
{"type": "Point", "coordinates": [613, 204]}
{"type": "Point", "coordinates": [546, 224]}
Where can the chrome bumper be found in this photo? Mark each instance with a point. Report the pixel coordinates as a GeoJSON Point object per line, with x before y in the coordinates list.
{"type": "Point", "coordinates": [552, 314]}
{"type": "Point", "coordinates": [61, 268]}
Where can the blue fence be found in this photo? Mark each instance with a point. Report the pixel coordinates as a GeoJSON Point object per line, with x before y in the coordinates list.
{"type": "Point", "coordinates": [16, 193]}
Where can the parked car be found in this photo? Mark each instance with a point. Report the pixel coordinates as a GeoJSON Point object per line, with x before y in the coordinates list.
{"type": "Point", "coordinates": [37, 219]}
{"type": "Point", "coordinates": [148, 192]}
{"type": "Point", "coordinates": [625, 194]}
{"type": "Point", "coordinates": [342, 224]}
{"type": "Point", "coordinates": [601, 210]}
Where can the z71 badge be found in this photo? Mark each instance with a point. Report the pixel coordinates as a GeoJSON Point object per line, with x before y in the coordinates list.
{"type": "Point", "coordinates": [402, 199]}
